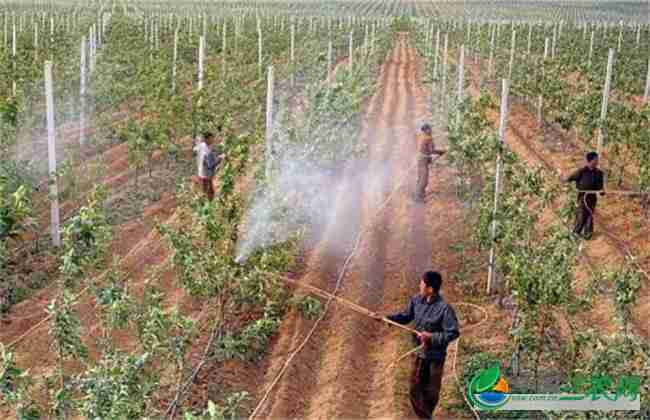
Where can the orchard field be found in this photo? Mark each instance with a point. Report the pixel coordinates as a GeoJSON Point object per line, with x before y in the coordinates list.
{"type": "Point", "coordinates": [126, 294]}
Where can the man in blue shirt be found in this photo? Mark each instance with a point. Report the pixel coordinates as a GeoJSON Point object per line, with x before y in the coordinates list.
{"type": "Point", "coordinates": [437, 326]}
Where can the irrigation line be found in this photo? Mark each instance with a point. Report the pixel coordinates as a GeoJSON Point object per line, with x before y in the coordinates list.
{"type": "Point", "coordinates": [618, 243]}
{"type": "Point", "coordinates": [304, 342]}
{"type": "Point", "coordinates": [33, 329]}
{"type": "Point", "coordinates": [462, 391]}
{"type": "Point", "coordinates": [456, 350]}
{"type": "Point", "coordinates": [331, 298]}
{"type": "Point", "coordinates": [171, 411]}
{"type": "Point", "coordinates": [615, 192]}
{"type": "Point", "coordinates": [366, 312]}
{"type": "Point", "coordinates": [402, 357]}
{"type": "Point", "coordinates": [22, 318]}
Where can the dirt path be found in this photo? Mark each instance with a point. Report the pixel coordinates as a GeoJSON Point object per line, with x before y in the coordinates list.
{"type": "Point", "coordinates": [342, 372]}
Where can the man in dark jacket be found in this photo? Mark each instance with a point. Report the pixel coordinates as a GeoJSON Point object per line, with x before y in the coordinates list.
{"type": "Point", "coordinates": [588, 178]}
{"type": "Point", "coordinates": [437, 326]}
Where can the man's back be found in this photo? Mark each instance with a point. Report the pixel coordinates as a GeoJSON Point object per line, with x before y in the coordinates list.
{"type": "Point", "coordinates": [588, 179]}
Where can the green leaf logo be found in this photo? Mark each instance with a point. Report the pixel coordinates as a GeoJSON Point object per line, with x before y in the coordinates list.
{"type": "Point", "coordinates": [487, 379]}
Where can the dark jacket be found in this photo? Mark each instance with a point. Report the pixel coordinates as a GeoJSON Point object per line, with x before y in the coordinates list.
{"type": "Point", "coordinates": [587, 179]}
{"type": "Point", "coordinates": [436, 317]}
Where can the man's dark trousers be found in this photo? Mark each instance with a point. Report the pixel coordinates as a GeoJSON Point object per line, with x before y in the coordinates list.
{"type": "Point", "coordinates": [585, 216]}
{"type": "Point", "coordinates": [426, 380]}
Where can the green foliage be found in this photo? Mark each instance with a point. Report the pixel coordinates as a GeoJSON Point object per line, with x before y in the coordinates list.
{"type": "Point", "coordinates": [85, 237]}
{"type": "Point", "coordinates": [13, 380]}
{"type": "Point", "coordinates": [65, 328]}
{"type": "Point", "coordinates": [14, 174]}
{"type": "Point", "coordinates": [472, 143]}
{"type": "Point", "coordinates": [65, 331]}
{"type": "Point", "coordinates": [16, 216]}
{"type": "Point", "coordinates": [614, 355]}
{"type": "Point", "coordinates": [118, 387]}
{"type": "Point", "coordinates": [163, 331]}
{"type": "Point", "coordinates": [8, 123]}
{"type": "Point", "coordinates": [236, 150]}
{"type": "Point", "coordinates": [309, 307]}
{"type": "Point", "coordinates": [541, 274]}
{"type": "Point", "coordinates": [13, 211]}
{"type": "Point", "coordinates": [251, 342]}
{"type": "Point", "coordinates": [627, 282]}
{"type": "Point", "coordinates": [322, 135]}
{"type": "Point", "coordinates": [9, 112]}
{"type": "Point", "coordinates": [15, 199]}
{"type": "Point", "coordinates": [117, 307]}
{"type": "Point", "coordinates": [228, 411]}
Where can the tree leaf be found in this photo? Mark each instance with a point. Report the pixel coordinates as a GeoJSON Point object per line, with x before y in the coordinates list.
{"type": "Point", "coordinates": [212, 409]}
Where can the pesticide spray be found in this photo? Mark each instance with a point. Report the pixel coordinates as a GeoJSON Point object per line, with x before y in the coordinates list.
{"type": "Point", "coordinates": [314, 153]}
{"type": "Point", "coordinates": [321, 172]}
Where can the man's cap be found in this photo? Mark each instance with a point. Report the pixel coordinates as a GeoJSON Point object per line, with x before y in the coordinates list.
{"type": "Point", "coordinates": [591, 156]}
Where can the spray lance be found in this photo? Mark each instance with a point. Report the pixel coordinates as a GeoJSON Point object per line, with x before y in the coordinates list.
{"type": "Point", "coordinates": [351, 305]}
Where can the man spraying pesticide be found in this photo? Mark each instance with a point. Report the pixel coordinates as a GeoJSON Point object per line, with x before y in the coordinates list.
{"type": "Point", "coordinates": [587, 178]}
{"type": "Point", "coordinates": [207, 162]}
{"type": "Point", "coordinates": [426, 151]}
{"type": "Point", "coordinates": [437, 326]}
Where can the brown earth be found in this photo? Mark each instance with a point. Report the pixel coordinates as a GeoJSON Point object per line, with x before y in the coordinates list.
{"type": "Point", "coordinates": [115, 179]}
{"type": "Point", "coordinates": [346, 370]}
{"type": "Point", "coordinates": [619, 228]}
{"type": "Point", "coordinates": [136, 249]}
{"type": "Point", "coordinates": [131, 246]}
{"type": "Point", "coordinates": [343, 372]}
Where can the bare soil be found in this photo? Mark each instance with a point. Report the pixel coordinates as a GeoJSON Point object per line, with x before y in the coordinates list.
{"type": "Point", "coordinates": [345, 369]}
{"type": "Point", "coordinates": [621, 230]}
